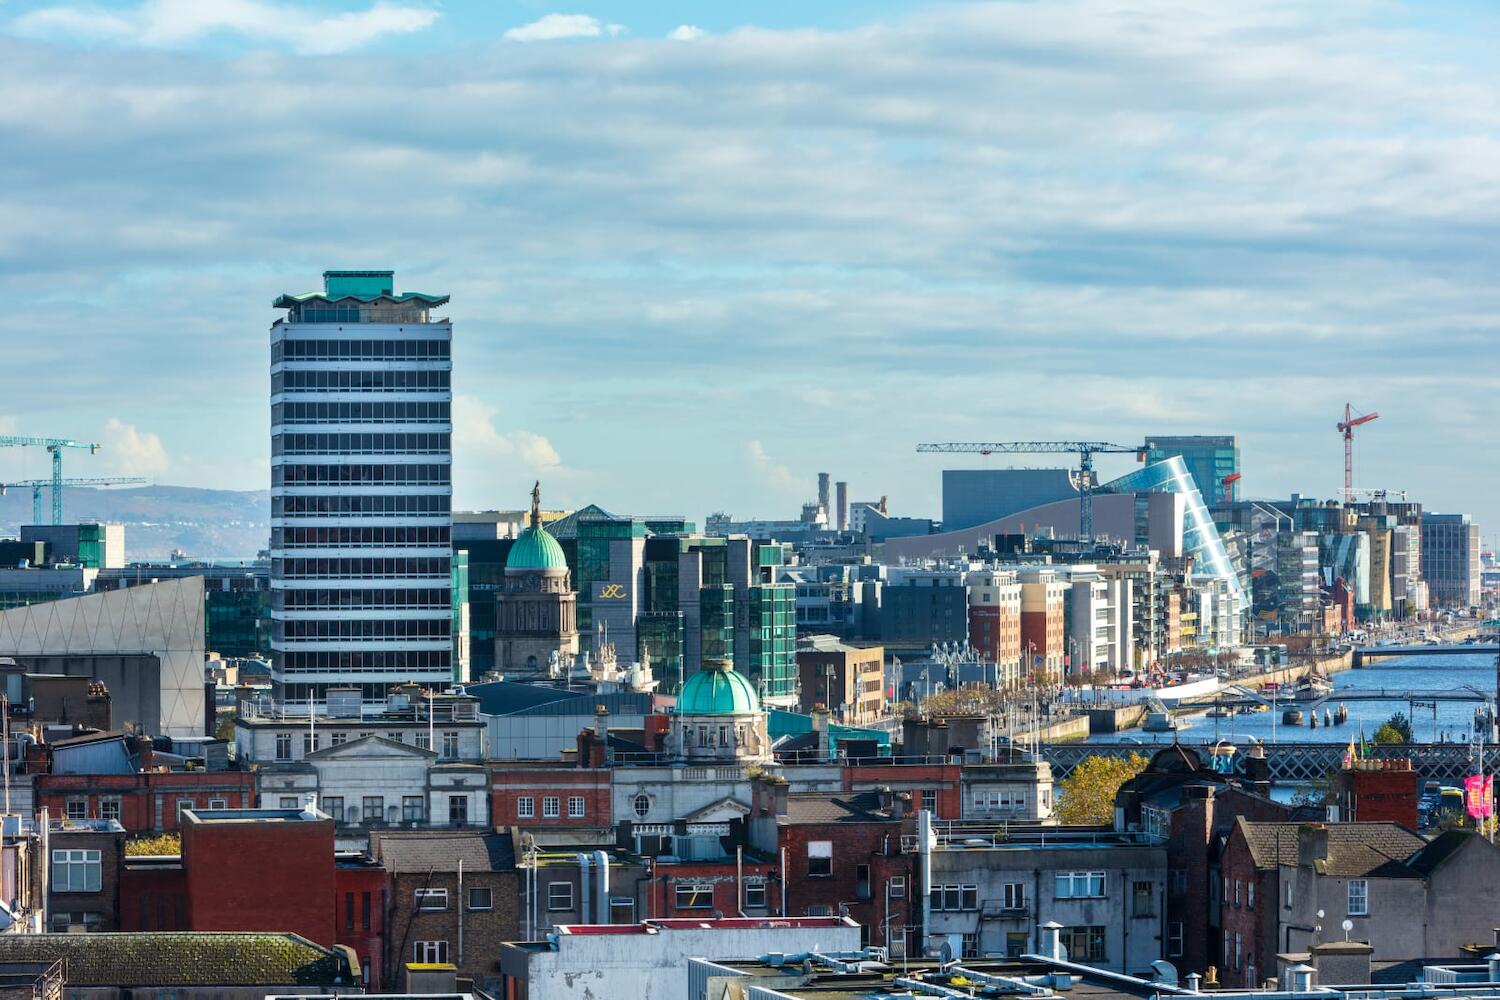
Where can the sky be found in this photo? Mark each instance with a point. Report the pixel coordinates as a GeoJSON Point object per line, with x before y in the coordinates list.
{"type": "Point", "coordinates": [699, 252]}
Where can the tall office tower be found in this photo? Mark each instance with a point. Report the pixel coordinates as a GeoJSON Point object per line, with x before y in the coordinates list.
{"type": "Point", "coordinates": [361, 494]}
{"type": "Point", "coordinates": [1210, 459]}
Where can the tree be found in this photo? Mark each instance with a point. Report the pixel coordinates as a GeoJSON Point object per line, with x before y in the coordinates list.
{"type": "Point", "coordinates": [1396, 729]}
{"type": "Point", "coordinates": [166, 843]}
{"type": "Point", "coordinates": [1087, 796]}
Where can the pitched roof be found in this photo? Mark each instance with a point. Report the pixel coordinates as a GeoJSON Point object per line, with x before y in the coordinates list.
{"type": "Point", "coordinates": [1442, 847]}
{"type": "Point", "coordinates": [862, 807]}
{"type": "Point", "coordinates": [1355, 850]}
{"type": "Point", "coordinates": [428, 851]}
{"type": "Point", "coordinates": [162, 958]}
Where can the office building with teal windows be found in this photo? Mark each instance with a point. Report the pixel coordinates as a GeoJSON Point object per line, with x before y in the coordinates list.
{"type": "Point", "coordinates": [1209, 459]}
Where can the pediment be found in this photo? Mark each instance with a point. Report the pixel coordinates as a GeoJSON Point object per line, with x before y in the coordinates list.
{"type": "Point", "coordinates": [371, 748]}
{"type": "Point", "coordinates": [720, 812]}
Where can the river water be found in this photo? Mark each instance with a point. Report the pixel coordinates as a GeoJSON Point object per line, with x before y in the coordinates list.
{"type": "Point", "coordinates": [1454, 719]}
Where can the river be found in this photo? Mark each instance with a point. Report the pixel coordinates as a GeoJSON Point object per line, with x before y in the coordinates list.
{"type": "Point", "coordinates": [1454, 719]}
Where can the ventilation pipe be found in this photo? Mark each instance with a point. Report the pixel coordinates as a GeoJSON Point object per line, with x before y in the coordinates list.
{"type": "Point", "coordinates": [1300, 978]}
{"type": "Point", "coordinates": [601, 904]}
{"type": "Point", "coordinates": [1493, 958]}
{"type": "Point", "coordinates": [924, 847]}
{"type": "Point", "coordinates": [585, 886]}
{"type": "Point", "coordinates": [1193, 981]}
{"type": "Point", "coordinates": [1052, 941]}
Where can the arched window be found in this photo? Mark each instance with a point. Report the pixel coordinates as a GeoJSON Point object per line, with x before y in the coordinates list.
{"type": "Point", "coordinates": [642, 805]}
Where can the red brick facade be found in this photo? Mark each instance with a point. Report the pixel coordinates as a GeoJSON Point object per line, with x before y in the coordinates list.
{"type": "Point", "coordinates": [360, 896]}
{"type": "Point", "coordinates": [866, 859]}
{"type": "Point", "coordinates": [1247, 915]}
{"type": "Point", "coordinates": [149, 800]}
{"type": "Point", "coordinates": [677, 884]}
{"type": "Point", "coordinates": [512, 787]}
{"type": "Point", "coordinates": [935, 786]}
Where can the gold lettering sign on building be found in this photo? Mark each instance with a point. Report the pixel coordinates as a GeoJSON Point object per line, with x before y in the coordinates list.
{"type": "Point", "coordinates": [612, 592]}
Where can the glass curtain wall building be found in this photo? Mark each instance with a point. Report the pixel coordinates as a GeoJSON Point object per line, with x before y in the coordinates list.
{"type": "Point", "coordinates": [1209, 460]}
{"type": "Point", "coordinates": [361, 559]}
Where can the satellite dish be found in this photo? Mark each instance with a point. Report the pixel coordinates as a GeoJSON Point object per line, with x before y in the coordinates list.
{"type": "Point", "coordinates": [1320, 914]}
{"type": "Point", "coordinates": [1348, 926]}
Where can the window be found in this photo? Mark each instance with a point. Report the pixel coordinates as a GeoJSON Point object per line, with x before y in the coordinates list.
{"type": "Point", "coordinates": [621, 910]}
{"type": "Point", "coordinates": [1080, 885]}
{"type": "Point", "coordinates": [929, 800]}
{"type": "Point", "coordinates": [955, 898]}
{"type": "Point", "coordinates": [184, 804]}
{"type": "Point", "coordinates": [755, 895]}
{"type": "Point", "coordinates": [429, 952]}
{"type": "Point", "coordinates": [692, 895]}
{"type": "Point", "coordinates": [642, 805]}
{"type": "Point", "coordinates": [338, 739]}
{"type": "Point", "coordinates": [1174, 939]}
{"type": "Point", "coordinates": [820, 859]}
{"type": "Point", "coordinates": [309, 743]}
{"type": "Point", "coordinates": [481, 898]}
{"type": "Point", "coordinates": [1084, 944]}
{"type": "Point", "coordinates": [412, 808]}
{"type": "Point", "coordinates": [88, 922]}
{"type": "Point", "coordinates": [1250, 895]}
{"type": "Point", "coordinates": [428, 900]}
{"type": "Point", "coordinates": [1156, 822]}
{"type": "Point", "coordinates": [1179, 881]}
{"type": "Point", "coordinates": [218, 803]}
{"type": "Point", "coordinates": [559, 896]}
{"type": "Point", "coordinates": [75, 871]}
{"type": "Point", "coordinates": [349, 911]}
{"type": "Point", "coordinates": [525, 806]}
{"type": "Point", "coordinates": [575, 806]}
{"type": "Point", "coordinates": [289, 802]}
{"type": "Point", "coordinates": [970, 943]}
{"type": "Point", "coordinates": [1013, 896]}
{"type": "Point", "coordinates": [897, 887]}
{"type": "Point", "coordinates": [1238, 954]}
{"type": "Point", "coordinates": [77, 807]}
{"type": "Point", "coordinates": [333, 805]}
{"type": "Point", "coordinates": [458, 810]}
{"type": "Point", "coordinates": [364, 911]}
{"type": "Point", "coordinates": [450, 746]}
{"type": "Point", "coordinates": [1288, 894]}
{"type": "Point", "coordinates": [862, 881]}
{"type": "Point", "coordinates": [1359, 897]}
{"type": "Point", "coordinates": [551, 807]}
{"type": "Point", "coordinates": [1142, 897]}
{"type": "Point", "coordinates": [1237, 892]}
{"type": "Point", "coordinates": [423, 743]}
{"type": "Point", "coordinates": [109, 807]}
{"type": "Point", "coordinates": [374, 807]}
{"type": "Point", "coordinates": [283, 746]}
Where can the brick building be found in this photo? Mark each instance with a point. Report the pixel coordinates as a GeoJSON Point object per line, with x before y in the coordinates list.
{"type": "Point", "coordinates": [360, 897]}
{"type": "Point", "coordinates": [1378, 791]}
{"type": "Point", "coordinates": [848, 680]}
{"type": "Point", "coordinates": [842, 855]}
{"type": "Point", "coordinates": [451, 897]}
{"type": "Point", "coordinates": [83, 886]}
{"type": "Point", "coordinates": [145, 801]}
{"type": "Point", "coordinates": [543, 796]}
{"type": "Point", "coordinates": [934, 787]}
{"type": "Point", "coordinates": [995, 616]}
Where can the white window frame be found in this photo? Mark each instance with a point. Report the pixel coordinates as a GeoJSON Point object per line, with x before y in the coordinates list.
{"type": "Point", "coordinates": [489, 895]}
{"type": "Point", "coordinates": [1362, 897]}
{"type": "Point", "coordinates": [1013, 895]}
{"type": "Point", "coordinates": [430, 900]}
{"type": "Point", "coordinates": [759, 888]}
{"type": "Point", "coordinates": [218, 803]}
{"type": "Point", "coordinates": [898, 887]}
{"type": "Point", "coordinates": [551, 807]}
{"type": "Point", "coordinates": [1088, 881]}
{"type": "Point", "coordinates": [111, 807]}
{"type": "Point", "coordinates": [525, 807]}
{"type": "Point", "coordinates": [695, 889]}
{"type": "Point", "coordinates": [820, 851]}
{"type": "Point", "coordinates": [576, 805]}
{"type": "Point", "coordinates": [1174, 939]}
{"type": "Point", "coordinates": [68, 863]}
{"type": "Point", "coordinates": [76, 807]}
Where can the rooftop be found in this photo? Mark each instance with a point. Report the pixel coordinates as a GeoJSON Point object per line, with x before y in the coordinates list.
{"type": "Point", "coordinates": [182, 959]}
{"type": "Point", "coordinates": [426, 851]}
{"type": "Point", "coordinates": [1353, 849]}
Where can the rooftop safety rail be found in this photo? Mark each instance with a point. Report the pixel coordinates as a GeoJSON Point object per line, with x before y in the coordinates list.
{"type": "Point", "coordinates": [442, 708]}
{"type": "Point", "coordinates": [955, 835]}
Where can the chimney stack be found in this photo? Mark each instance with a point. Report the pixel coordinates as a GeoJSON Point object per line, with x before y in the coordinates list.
{"type": "Point", "coordinates": [823, 479]}
{"type": "Point", "coordinates": [1052, 941]}
{"type": "Point", "coordinates": [843, 501]}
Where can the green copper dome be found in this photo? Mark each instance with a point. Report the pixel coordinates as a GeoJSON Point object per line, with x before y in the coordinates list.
{"type": "Point", "coordinates": [717, 690]}
{"type": "Point", "coordinates": [536, 550]}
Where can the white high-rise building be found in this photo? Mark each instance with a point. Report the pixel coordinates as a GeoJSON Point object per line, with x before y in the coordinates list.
{"type": "Point", "coordinates": [361, 489]}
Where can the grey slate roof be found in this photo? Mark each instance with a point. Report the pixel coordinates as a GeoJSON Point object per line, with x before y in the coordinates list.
{"type": "Point", "coordinates": [1355, 850]}
{"type": "Point", "coordinates": [430, 850]}
{"type": "Point", "coordinates": [861, 807]}
{"type": "Point", "coordinates": [163, 958]}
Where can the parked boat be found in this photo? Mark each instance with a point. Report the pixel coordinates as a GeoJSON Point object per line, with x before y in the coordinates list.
{"type": "Point", "coordinates": [1311, 688]}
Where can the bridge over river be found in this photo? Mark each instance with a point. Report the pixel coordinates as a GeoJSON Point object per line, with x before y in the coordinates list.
{"type": "Point", "coordinates": [1294, 762]}
{"type": "Point", "coordinates": [1364, 654]}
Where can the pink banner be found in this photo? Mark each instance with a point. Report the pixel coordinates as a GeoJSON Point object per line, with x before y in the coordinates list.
{"type": "Point", "coordinates": [1479, 795]}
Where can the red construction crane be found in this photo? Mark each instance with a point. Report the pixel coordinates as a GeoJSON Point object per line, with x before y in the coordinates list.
{"type": "Point", "coordinates": [1228, 483]}
{"type": "Point", "coordinates": [1346, 427]}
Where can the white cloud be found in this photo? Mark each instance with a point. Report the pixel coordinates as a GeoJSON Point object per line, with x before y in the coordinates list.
{"type": "Point", "coordinates": [685, 33]}
{"type": "Point", "coordinates": [771, 473]}
{"type": "Point", "coordinates": [550, 27]}
{"type": "Point", "coordinates": [475, 434]}
{"type": "Point", "coordinates": [177, 23]}
{"type": "Point", "coordinates": [129, 451]}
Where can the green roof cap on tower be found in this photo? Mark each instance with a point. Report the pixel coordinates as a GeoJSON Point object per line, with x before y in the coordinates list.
{"type": "Point", "coordinates": [535, 549]}
{"type": "Point", "coordinates": [717, 689]}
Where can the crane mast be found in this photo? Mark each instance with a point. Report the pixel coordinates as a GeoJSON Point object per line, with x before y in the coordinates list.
{"type": "Point", "coordinates": [1346, 427]}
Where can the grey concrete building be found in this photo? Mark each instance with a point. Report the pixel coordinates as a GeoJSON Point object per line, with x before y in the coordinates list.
{"type": "Point", "coordinates": [974, 496]}
{"type": "Point", "coordinates": [1450, 560]}
{"type": "Point", "coordinates": [992, 894]}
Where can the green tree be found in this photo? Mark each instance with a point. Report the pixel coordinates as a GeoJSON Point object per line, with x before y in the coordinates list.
{"type": "Point", "coordinates": [1396, 729]}
{"type": "Point", "coordinates": [166, 843]}
{"type": "Point", "coordinates": [1087, 796]}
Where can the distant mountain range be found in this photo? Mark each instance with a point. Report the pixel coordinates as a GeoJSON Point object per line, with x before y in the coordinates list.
{"type": "Point", "coordinates": [205, 524]}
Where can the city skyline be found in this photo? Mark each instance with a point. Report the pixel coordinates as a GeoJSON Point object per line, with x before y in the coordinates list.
{"type": "Point", "coordinates": [1293, 214]}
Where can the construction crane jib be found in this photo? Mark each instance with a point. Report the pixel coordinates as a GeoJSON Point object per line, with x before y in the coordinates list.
{"type": "Point", "coordinates": [55, 446]}
{"type": "Point", "coordinates": [1085, 450]}
{"type": "Point", "coordinates": [37, 485]}
{"type": "Point", "coordinates": [1346, 427]}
